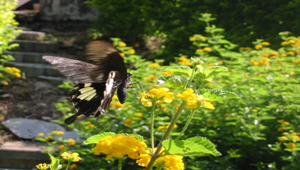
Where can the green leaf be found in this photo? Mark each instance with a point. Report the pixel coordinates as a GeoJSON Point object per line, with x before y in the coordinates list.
{"type": "Point", "coordinates": [217, 94]}
{"type": "Point", "coordinates": [173, 81]}
{"type": "Point", "coordinates": [54, 165]}
{"type": "Point", "coordinates": [180, 70]}
{"type": "Point", "coordinates": [207, 72]}
{"type": "Point", "coordinates": [96, 138]}
{"type": "Point", "coordinates": [195, 146]}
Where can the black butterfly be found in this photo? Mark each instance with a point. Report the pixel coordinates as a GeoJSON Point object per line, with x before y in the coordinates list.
{"type": "Point", "coordinates": [97, 82]}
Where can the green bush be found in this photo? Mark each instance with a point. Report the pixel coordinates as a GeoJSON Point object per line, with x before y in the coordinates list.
{"type": "Point", "coordinates": [7, 34]}
{"type": "Point", "coordinates": [175, 21]}
{"type": "Point", "coordinates": [258, 131]}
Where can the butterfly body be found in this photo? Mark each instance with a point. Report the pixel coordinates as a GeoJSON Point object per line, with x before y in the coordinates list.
{"type": "Point", "coordinates": [97, 81]}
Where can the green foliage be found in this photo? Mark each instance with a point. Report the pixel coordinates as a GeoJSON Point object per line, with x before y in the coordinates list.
{"type": "Point", "coordinates": [259, 130]}
{"type": "Point", "coordinates": [7, 34]}
{"type": "Point", "coordinates": [175, 21]}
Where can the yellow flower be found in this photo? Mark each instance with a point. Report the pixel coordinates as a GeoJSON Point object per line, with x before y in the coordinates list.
{"type": "Point", "coordinates": [259, 46]}
{"type": "Point", "coordinates": [170, 162]}
{"type": "Point", "coordinates": [167, 73]}
{"type": "Point", "coordinates": [18, 75]}
{"type": "Point", "coordinates": [265, 43]}
{"type": "Point", "coordinates": [118, 105]}
{"type": "Point", "coordinates": [199, 50]}
{"type": "Point", "coordinates": [138, 115]}
{"type": "Point", "coordinates": [4, 82]}
{"type": "Point", "coordinates": [285, 123]}
{"type": "Point", "coordinates": [90, 125]}
{"type": "Point", "coordinates": [122, 44]}
{"type": "Point", "coordinates": [193, 39]}
{"type": "Point", "coordinates": [49, 138]}
{"type": "Point", "coordinates": [184, 61]}
{"type": "Point", "coordinates": [153, 65]}
{"type": "Point", "coordinates": [164, 128]}
{"type": "Point", "coordinates": [155, 95]}
{"type": "Point", "coordinates": [61, 147]}
{"type": "Point", "coordinates": [207, 49]}
{"type": "Point", "coordinates": [42, 166]}
{"type": "Point", "coordinates": [131, 51]}
{"type": "Point", "coordinates": [72, 157]}
{"type": "Point", "coordinates": [291, 53]}
{"type": "Point", "coordinates": [194, 101]}
{"type": "Point", "coordinates": [73, 166]}
{"type": "Point", "coordinates": [120, 145]}
{"type": "Point", "coordinates": [167, 162]}
{"type": "Point", "coordinates": [59, 132]}
{"type": "Point", "coordinates": [282, 138]}
{"type": "Point", "coordinates": [290, 145]}
{"type": "Point", "coordinates": [40, 134]}
{"type": "Point", "coordinates": [295, 137]}
{"type": "Point", "coordinates": [128, 122]}
{"type": "Point", "coordinates": [122, 54]}
{"type": "Point", "coordinates": [72, 142]}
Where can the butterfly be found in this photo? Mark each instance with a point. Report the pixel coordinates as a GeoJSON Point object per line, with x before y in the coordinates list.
{"type": "Point", "coordinates": [97, 80]}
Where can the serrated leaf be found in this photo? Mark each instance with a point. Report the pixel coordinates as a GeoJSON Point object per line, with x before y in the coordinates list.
{"type": "Point", "coordinates": [207, 72]}
{"type": "Point", "coordinates": [96, 138]}
{"type": "Point", "coordinates": [196, 146]}
{"type": "Point", "coordinates": [216, 94]}
{"type": "Point", "coordinates": [173, 81]}
{"type": "Point", "coordinates": [54, 165]}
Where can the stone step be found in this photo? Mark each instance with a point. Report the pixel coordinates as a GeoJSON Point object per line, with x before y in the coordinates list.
{"type": "Point", "coordinates": [22, 155]}
{"type": "Point", "coordinates": [34, 57]}
{"type": "Point", "coordinates": [33, 70]}
{"type": "Point", "coordinates": [32, 35]}
{"type": "Point", "coordinates": [37, 46]}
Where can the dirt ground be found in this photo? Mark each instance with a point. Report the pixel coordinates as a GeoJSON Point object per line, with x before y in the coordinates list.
{"type": "Point", "coordinates": [27, 98]}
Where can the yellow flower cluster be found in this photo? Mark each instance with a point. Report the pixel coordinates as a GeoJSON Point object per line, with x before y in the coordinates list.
{"type": "Point", "coordinates": [72, 157]}
{"type": "Point", "coordinates": [206, 49]}
{"type": "Point", "coordinates": [295, 42]}
{"type": "Point", "coordinates": [156, 95]}
{"type": "Point", "coordinates": [261, 45]}
{"type": "Point", "coordinates": [43, 166]}
{"type": "Point", "coordinates": [153, 65]}
{"type": "Point", "coordinates": [265, 62]}
{"type": "Point", "coordinates": [13, 70]}
{"type": "Point", "coordinates": [167, 162]}
{"type": "Point", "coordinates": [195, 101]}
{"type": "Point", "coordinates": [184, 61]}
{"type": "Point", "coordinates": [120, 145]}
{"type": "Point", "coordinates": [271, 54]}
{"type": "Point", "coordinates": [163, 128]}
{"type": "Point", "coordinates": [58, 132]}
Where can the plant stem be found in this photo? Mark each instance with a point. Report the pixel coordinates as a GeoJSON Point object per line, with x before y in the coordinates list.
{"type": "Point", "coordinates": [120, 164]}
{"type": "Point", "coordinates": [68, 166]}
{"type": "Point", "coordinates": [186, 124]}
{"type": "Point", "coordinates": [152, 127]}
{"type": "Point", "coordinates": [166, 136]}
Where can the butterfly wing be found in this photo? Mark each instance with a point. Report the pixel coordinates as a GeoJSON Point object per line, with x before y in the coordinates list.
{"type": "Point", "coordinates": [75, 70]}
{"type": "Point", "coordinates": [97, 82]}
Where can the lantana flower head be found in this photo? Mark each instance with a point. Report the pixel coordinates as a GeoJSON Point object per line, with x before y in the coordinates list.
{"type": "Point", "coordinates": [194, 101]}
{"type": "Point", "coordinates": [120, 145]}
{"type": "Point", "coordinates": [166, 162]}
{"type": "Point", "coordinates": [73, 157]}
{"type": "Point", "coordinates": [156, 95]}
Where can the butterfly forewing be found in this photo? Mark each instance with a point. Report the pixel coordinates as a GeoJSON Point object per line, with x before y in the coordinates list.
{"type": "Point", "coordinates": [97, 82]}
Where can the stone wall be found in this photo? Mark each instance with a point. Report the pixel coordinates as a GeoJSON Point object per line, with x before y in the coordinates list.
{"type": "Point", "coordinates": [66, 10]}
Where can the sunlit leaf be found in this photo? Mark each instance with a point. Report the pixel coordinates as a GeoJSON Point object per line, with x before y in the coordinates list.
{"type": "Point", "coordinates": [216, 94]}
{"type": "Point", "coordinates": [195, 146]}
{"type": "Point", "coordinates": [96, 138]}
